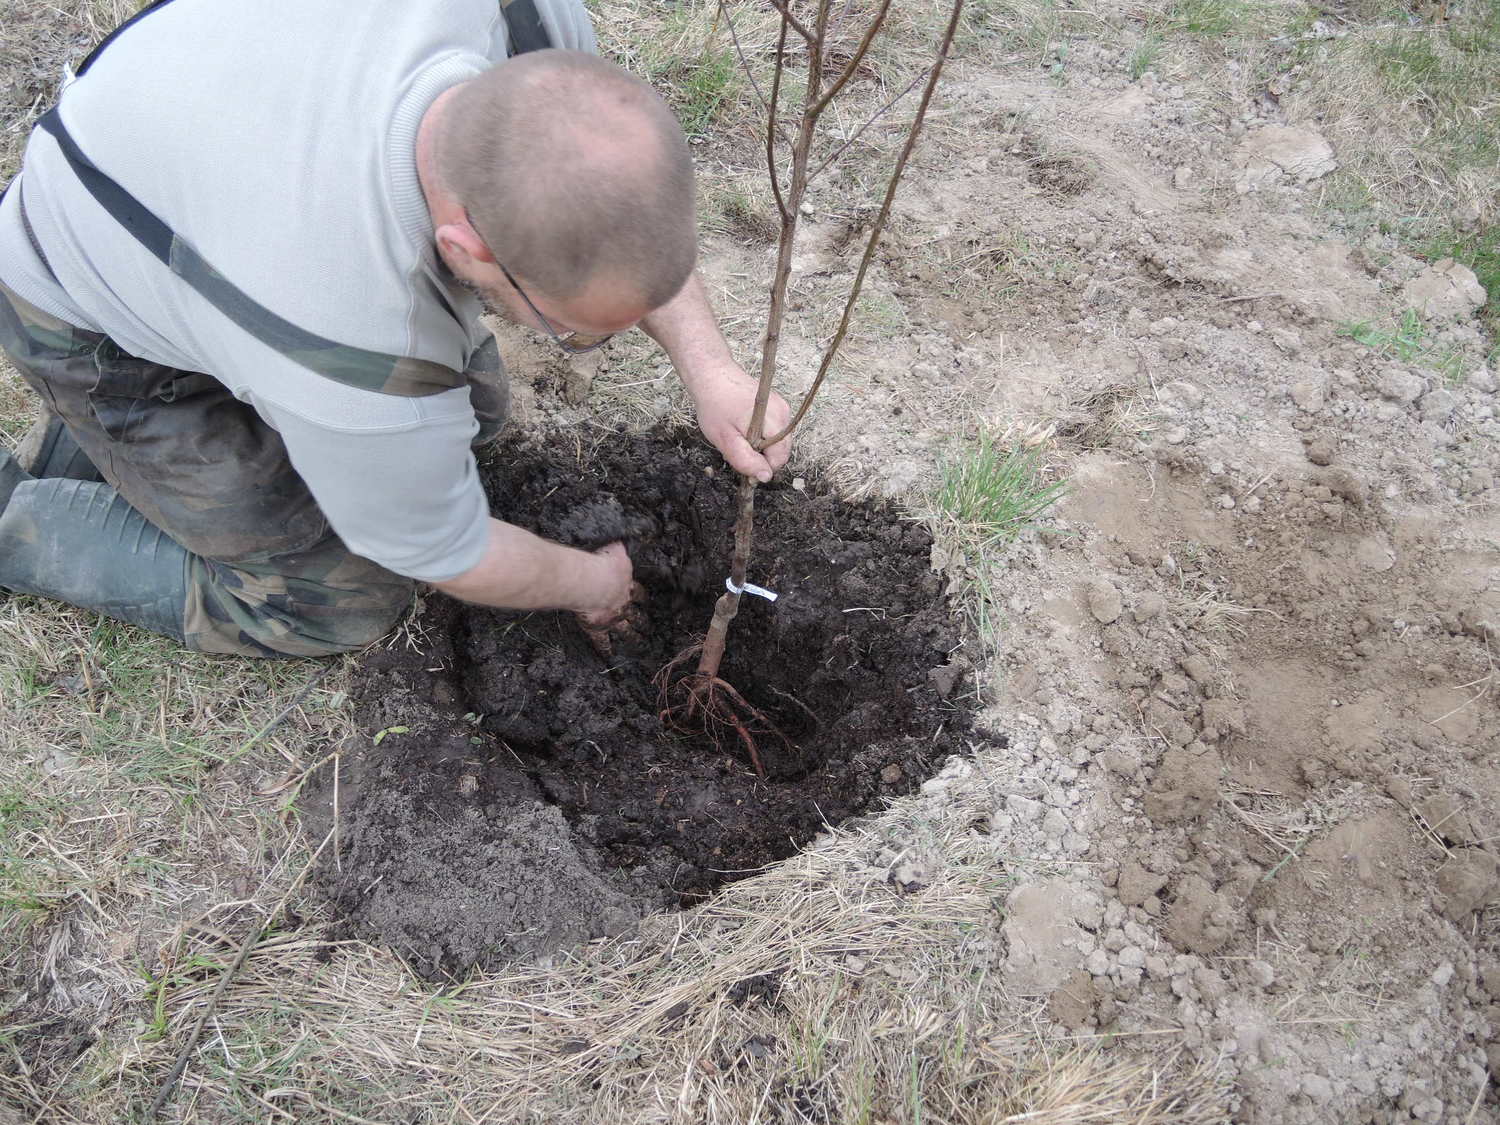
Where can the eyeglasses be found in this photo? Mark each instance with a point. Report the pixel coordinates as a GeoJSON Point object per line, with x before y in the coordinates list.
{"type": "Point", "coordinates": [572, 343]}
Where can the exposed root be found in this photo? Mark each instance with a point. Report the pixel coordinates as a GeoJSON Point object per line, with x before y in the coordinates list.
{"type": "Point", "coordinates": [696, 702]}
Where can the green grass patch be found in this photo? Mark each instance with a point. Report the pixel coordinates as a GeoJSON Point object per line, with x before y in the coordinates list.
{"type": "Point", "coordinates": [700, 90]}
{"type": "Point", "coordinates": [1144, 57]}
{"type": "Point", "coordinates": [1450, 73]}
{"type": "Point", "coordinates": [989, 492]}
{"type": "Point", "coordinates": [1235, 19]}
{"type": "Point", "coordinates": [31, 881]}
{"type": "Point", "coordinates": [1028, 27]}
{"type": "Point", "coordinates": [1406, 339]}
{"type": "Point", "coordinates": [1441, 60]}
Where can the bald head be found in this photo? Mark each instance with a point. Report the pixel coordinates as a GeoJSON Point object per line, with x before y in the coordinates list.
{"type": "Point", "coordinates": [573, 172]}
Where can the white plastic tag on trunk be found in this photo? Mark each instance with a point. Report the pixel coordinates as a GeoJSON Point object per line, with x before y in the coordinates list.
{"type": "Point", "coordinates": [750, 588]}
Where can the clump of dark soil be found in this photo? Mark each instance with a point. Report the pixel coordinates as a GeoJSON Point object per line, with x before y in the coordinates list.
{"type": "Point", "coordinates": [518, 792]}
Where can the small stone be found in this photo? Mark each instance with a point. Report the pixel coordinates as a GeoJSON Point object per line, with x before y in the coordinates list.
{"type": "Point", "coordinates": [1149, 606]}
{"type": "Point", "coordinates": [1179, 394]}
{"type": "Point", "coordinates": [1104, 601]}
{"type": "Point", "coordinates": [1076, 844]}
{"type": "Point", "coordinates": [908, 875]}
{"type": "Point", "coordinates": [1133, 957]}
{"type": "Point", "coordinates": [1482, 379]}
{"type": "Point", "coordinates": [1469, 881]}
{"type": "Point", "coordinates": [1198, 669]}
{"type": "Point", "coordinates": [58, 761]}
{"type": "Point", "coordinates": [1443, 974]}
{"type": "Point", "coordinates": [1156, 967]}
{"type": "Point", "coordinates": [891, 774]}
{"type": "Point", "coordinates": [1262, 973]}
{"type": "Point", "coordinates": [1023, 808]}
{"type": "Point", "coordinates": [799, 483]}
{"type": "Point", "coordinates": [1307, 396]}
{"type": "Point", "coordinates": [944, 678]}
{"type": "Point", "coordinates": [1320, 450]}
{"type": "Point", "coordinates": [1272, 152]}
{"type": "Point", "coordinates": [1438, 406]}
{"type": "Point", "coordinates": [1316, 1087]}
{"type": "Point", "coordinates": [1054, 825]}
{"type": "Point", "coordinates": [1226, 501]}
{"type": "Point", "coordinates": [1444, 290]}
{"type": "Point", "coordinates": [1097, 963]}
{"type": "Point", "coordinates": [1397, 385]}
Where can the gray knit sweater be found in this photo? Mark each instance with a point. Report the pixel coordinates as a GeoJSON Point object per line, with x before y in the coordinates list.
{"type": "Point", "coordinates": [279, 139]}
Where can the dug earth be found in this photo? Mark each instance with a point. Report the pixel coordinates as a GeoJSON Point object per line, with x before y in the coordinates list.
{"type": "Point", "coordinates": [514, 792]}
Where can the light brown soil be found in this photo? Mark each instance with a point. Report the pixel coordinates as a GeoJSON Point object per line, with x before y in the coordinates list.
{"type": "Point", "coordinates": [1252, 662]}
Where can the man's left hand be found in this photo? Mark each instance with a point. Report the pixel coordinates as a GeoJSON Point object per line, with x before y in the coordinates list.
{"type": "Point", "coordinates": [725, 400]}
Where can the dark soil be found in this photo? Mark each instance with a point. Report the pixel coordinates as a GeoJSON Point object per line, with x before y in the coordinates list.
{"type": "Point", "coordinates": [517, 792]}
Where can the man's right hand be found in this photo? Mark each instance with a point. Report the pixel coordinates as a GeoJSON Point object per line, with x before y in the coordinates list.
{"type": "Point", "coordinates": [520, 570]}
{"type": "Point", "coordinates": [623, 619]}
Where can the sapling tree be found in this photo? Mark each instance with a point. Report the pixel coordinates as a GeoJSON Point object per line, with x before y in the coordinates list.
{"type": "Point", "coordinates": [702, 698]}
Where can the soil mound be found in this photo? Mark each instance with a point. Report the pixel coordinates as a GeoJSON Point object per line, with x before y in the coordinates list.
{"type": "Point", "coordinates": [518, 792]}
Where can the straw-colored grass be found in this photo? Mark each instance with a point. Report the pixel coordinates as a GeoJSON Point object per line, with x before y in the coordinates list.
{"type": "Point", "coordinates": [827, 989]}
{"type": "Point", "coordinates": [38, 42]}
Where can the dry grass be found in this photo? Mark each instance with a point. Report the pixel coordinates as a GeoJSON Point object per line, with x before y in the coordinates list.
{"type": "Point", "coordinates": [39, 41]}
{"type": "Point", "coordinates": [1414, 112]}
{"type": "Point", "coordinates": [137, 807]}
{"type": "Point", "coordinates": [825, 990]}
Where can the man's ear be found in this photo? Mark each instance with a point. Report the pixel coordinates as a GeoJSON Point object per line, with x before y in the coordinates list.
{"type": "Point", "coordinates": [460, 245]}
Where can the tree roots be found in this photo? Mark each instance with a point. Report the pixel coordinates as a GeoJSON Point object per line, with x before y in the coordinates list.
{"type": "Point", "coordinates": [697, 702]}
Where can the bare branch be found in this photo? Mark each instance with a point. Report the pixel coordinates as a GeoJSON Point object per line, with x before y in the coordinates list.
{"type": "Point", "coordinates": [798, 26]}
{"type": "Point", "coordinates": [876, 116]}
{"type": "Point", "coordinates": [853, 64]}
{"type": "Point", "coordinates": [879, 226]}
{"type": "Point", "coordinates": [771, 124]}
{"type": "Point", "coordinates": [745, 63]}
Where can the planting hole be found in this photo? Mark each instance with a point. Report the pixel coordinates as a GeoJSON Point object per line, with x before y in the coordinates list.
{"type": "Point", "coordinates": [525, 794]}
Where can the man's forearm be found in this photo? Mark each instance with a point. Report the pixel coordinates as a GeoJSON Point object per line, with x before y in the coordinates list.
{"type": "Point", "coordinates": [520, 570]}
{"type": "Point", "coordinates": [686, 329]}
{"type": "Point", "coordinates": [722, 392]}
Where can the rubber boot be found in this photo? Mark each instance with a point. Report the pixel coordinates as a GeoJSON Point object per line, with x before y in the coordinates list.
{"type": "Point", "coordinates": [79, 542]}
{"type": "Point", "coordinates": [48, 450]}
{"type": "Point", "coordinates": [11, 476]}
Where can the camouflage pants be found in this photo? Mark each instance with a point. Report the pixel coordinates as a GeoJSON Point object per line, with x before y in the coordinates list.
{"type": "Point", "coordinates": [266, 575]}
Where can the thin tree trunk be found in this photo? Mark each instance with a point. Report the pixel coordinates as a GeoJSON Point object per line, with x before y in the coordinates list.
{"type": "Point", "coordinates": [789, 205]}
{"type": "Point", "coordinates": [728, 604]}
